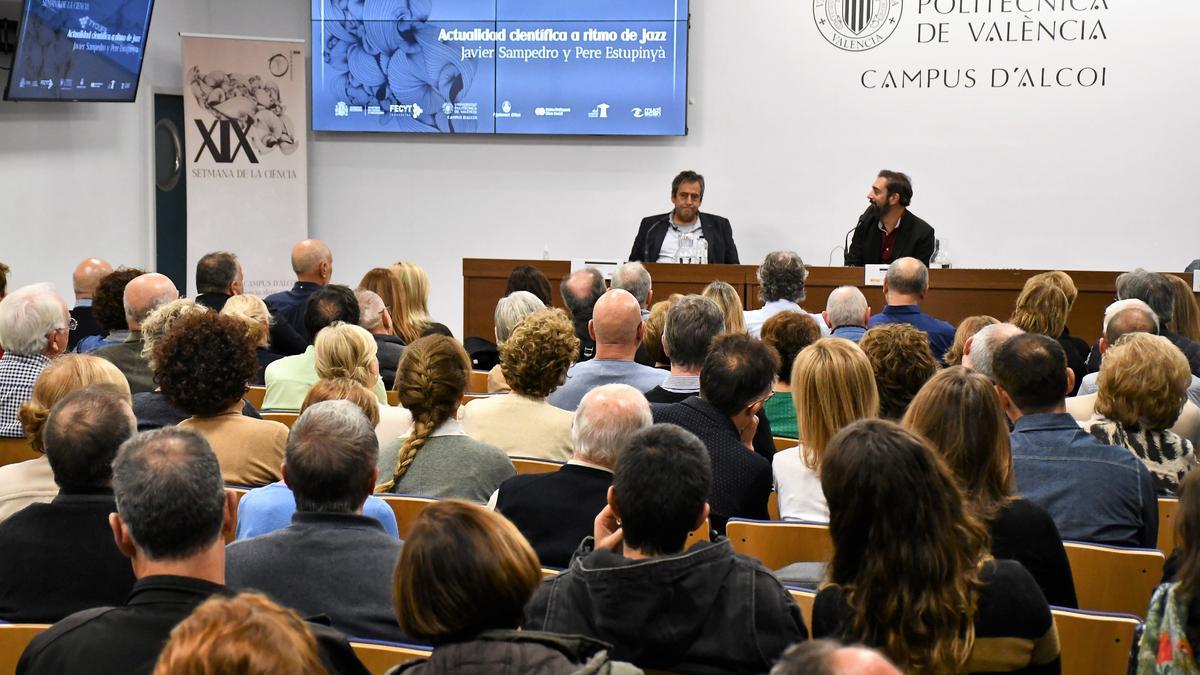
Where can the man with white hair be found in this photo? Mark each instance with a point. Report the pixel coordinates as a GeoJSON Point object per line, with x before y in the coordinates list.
{"type": "Point", "coordinates": [616, 326]}
{"type": "Point", "coordinates": [555, 511]}
{"type": "Point", "coordinates": [85, 279]}
{"type": "Point", "coordinates": [633, 277]}
{"type": "Point", "coordinates": [312, 261]}
{"type": "Point", "coordinates": [143, 295]}
{"type": "Point", "coordinates": [373, 316]}
{"type": "Point", "coordinates": [980, 347]}
{"type": "Point", "coordinates": [781, 278]}
{"type": "Point", "coordinates": [34, 328]}
{"type": "Point", "coordinates": [846, 313]}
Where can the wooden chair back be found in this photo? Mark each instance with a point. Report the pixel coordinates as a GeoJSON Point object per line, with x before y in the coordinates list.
{"type": "Point", "coordinates": [14, 638]}
{"type": "Point", "coordinates": [805, 599]}
{"type": "Point", "coordinates": [773, 505]}
{"type": "Point", "coordinates": [286, 418]}
{"type": "Point", "coordinates": [378, 658]}
{"type": "Point", "coordinates": [1167, 508]}
{"type": "Point", "coordinates": [393, 397]}
{"type": "Point", "coordinates": [534, 465]}
{"type": "Point", "coordinates": [778, 544]}
{"type": "Point", "coordinates": [477, 381]}
{"type": "Point", "coordinates": [783, 443]}
{"type": "Point", "coordinates": [238, 493]}
{"type": "Point", "coordinates": [406, 509]}
{"type": "Point", "coordinates": [702, 533]}
{"type": "Point", "coordinates": [1114, 579]}
{"type": "Point", "coordinates": [255, 395]}
{"type": "Point", "coordinates": [1094, 643]}
{"type": "Point", "coordinates": [13, 450]}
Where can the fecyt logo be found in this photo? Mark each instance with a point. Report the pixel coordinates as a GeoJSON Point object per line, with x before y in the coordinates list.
{"type": "Point", "coordinates": [230, 140]}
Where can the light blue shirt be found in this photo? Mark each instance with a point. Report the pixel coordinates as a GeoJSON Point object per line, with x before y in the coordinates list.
{"type": "Point", "coordinates": [587, 375]}
{"type": "Point", "coordinates": [269, 508]}
{"type": "Point", "coordinates": [755, 318]}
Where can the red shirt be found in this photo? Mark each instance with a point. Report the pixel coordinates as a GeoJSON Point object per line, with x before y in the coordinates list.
{"type": "Point", "coordinates": [889, 242]}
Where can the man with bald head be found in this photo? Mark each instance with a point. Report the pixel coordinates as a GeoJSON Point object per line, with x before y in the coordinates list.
{"type": "Point", "coordinates": [312, 261]}
{"type": "Point", "coordinates": [827, 657]}
{"type": "Point", "coordinates": [616, 326]}
{"type": "Point", "coordinates": [143, 295]}
{"type": "Point", "coordinates": [904, 288]}
{"type": "Point", "coordinates": [580, 290]}
{"type": "Point", "coordinates": [85, 279]}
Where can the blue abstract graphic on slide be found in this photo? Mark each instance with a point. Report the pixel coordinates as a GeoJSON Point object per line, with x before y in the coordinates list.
{"type": "Point", "coordinates": [613, 67]}
{"type": "Point", "coordinates": [88, 50]}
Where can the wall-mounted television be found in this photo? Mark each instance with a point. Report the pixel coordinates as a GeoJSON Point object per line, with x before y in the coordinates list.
{"type": "Point", "coordinates": [79, 50]}
{"type": "Point", "coordinates": [607, 67]}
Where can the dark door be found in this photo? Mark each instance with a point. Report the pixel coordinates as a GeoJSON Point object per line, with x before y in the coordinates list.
{"type": "Point", "coordinates": [170, 190]}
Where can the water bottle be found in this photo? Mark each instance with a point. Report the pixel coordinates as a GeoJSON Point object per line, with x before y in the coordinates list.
{"type": "Point", "coordinates": [702, 251]}
{"type": "Point", "coordinates": [685, 252]}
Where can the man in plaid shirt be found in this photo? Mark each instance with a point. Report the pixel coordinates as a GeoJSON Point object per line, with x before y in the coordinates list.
{"type": "Point", "coordinates": [34, 328]}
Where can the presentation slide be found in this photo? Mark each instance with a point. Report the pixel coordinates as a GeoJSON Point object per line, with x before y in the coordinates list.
{"type": "Point", "coordinates": [605, 67]}
{"type": "Point", "coordinates": [80, 50]}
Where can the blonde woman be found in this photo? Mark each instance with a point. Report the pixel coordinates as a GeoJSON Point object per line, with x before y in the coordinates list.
{"type": "Point", "coordinates": [1043, 308]}
{"type": "Point", "coordinates": [832, 386]}
{"type": "Point", "coordinates": [730, 302]}
{"type": "Point", "coordinates": [414, 291]}
{"type": "Point", "coordinates": [386, 284]}
{"type": "Point", "coordinates": [437, 458]}
{"type": "Point", "coordinates": [347, 351]}
{"type": "Point", "coordinates": [32, 481]}
{"type": "Point", "coordinates": [253, 311]}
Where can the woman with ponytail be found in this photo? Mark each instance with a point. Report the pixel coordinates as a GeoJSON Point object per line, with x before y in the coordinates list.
{"type": "Point", "coordinates": [437, 458]}
{"type": "Point", "coordinates": [348, 351]}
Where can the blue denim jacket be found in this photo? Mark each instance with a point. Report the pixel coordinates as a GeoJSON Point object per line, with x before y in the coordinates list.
{"type": "Point", "coordinates": [1096, 493]}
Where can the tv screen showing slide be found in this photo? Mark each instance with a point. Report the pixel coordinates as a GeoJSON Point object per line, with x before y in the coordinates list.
{"type": "Point", "coordinates": [611, 67]}
{"type": "Point", "coordinates": [79, 50]}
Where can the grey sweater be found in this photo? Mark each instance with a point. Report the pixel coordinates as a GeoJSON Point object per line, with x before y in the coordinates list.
{"type": "Point", "coordinates": [451, 466]}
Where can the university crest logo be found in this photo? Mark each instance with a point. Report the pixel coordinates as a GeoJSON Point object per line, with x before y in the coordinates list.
{"type": "Point", "coordinates": [857, 25]}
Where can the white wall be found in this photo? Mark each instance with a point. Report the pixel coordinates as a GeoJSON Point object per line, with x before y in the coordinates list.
{"type": "Point", "coordinates": [785, 134]}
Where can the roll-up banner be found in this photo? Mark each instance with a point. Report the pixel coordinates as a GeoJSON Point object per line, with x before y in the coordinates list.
{"type": "Point", "coordinates": [244, 108]}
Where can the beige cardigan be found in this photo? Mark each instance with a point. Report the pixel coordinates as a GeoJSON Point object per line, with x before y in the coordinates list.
{"type": "Point", "coordinates": [520, 426]}
{"type": "Point", "coordinates": [250, 450]}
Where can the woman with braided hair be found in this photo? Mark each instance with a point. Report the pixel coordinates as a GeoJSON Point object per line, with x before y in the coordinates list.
{"type": "Point", "coordinates": [437, 458]}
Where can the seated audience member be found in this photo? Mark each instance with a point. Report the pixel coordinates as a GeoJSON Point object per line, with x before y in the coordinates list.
{"type": "Point", "coordinates": [555, 511]}
{"type": "Point", "coordinates": [266, 509]}
{"type": "Point", "coordinates": [472, 611]}
{"type": "Point", "coordinates": [616, 327]}
{"type": "Point", "coordinates": [704, 610]}
{"type": "Point", "coordinates": [1076, 349]}
{"type": "Point", "coordinates": [414, 290]}
{"type": "Point", "coordinates": [652, 332]}
{"type": "Point", "coordinates": [829, 657]}
{"type": "Point", "coordinates": [534, 359]}
{"type": "Point", "coordinates": [727, 298]}
{"type": "Point", "coordinates": [85, 279]}
{"type": "Point", "coordinates": [788, 333]}
{"type": "Point", "coordinates": [967, 328]}
{"type": "Point", "coordinates": [958, 412]}
{"type": "Point", "coordinates": [346, 350]}
{"type": "Point", "coordinates": [980, 349]}
{"type": "Point", "coordinates": [531, 279]}
{"type": "Point", "coordinates": [691, 324]}
{"type": "Point", "coordinates": [832, 386]}
{"type": "Point", "coordinates": [142, 296]}
{"type": "Point", "coordinates": [246, 634]}
{"type": "Point", "coordinates": [902, 363]}
{"type": "Point", "coordinates": [253, 312]}
{"type": "Point", "coordinates": [1143, 385]}
{"type": "Point", "coordinates": [1166, 644]}
{"type": "Point", "coordinates": [218, 278]}
{"type": "Point", "coordinates": [32, 481]}
{"type": "Point", "coordinates": [1186, 317]}
{"type": "Point", "coordinates": [904, 287]}
{"type": "Point", "coordinates": [332, 559]}
{"type": "Point", "coordinates": [781, 277]}
{"type": "Point", "coordinates": [735, 381]}
{"type": "Point", "coordinates": [34, 327]}
{"type": "Point", "coordinates": [1095, 492]}
{"type": "Point", "coordinates": [172, 510]}
{"type": "Point", "coordinates": [289, 378]}
{"type": "Point", "coordinates": [580, 291]}
{"type": "Point", "coordinates": [1156, 291]}
{"type": "Point", "coordinates": [59, 558]}
{"type": "Point", "coordinates": [108, 309]}
{"type": "Point", "coordinates": [911, 573]}
{"type": "Point", "coordinates": [847, 313]}
{"type": "Point", "coordinates": [203, 366]}
{"type": "Point", "coordinates": [382, 282]}
{"type": "Point", "coordinates": [375, 319]}
{"type": "Point", "coordinates": [510, 310]}
{"type": "Point", "coordinates": [1042, 308]}
{"type": "Point", "coordinates": [312, 261]}
{"type": "Point", "coordinates": [633, 277]}
{"type": "Point", "coordinates": [437, 458]}
{"type": "Point", "coordinates": [1122, 318]}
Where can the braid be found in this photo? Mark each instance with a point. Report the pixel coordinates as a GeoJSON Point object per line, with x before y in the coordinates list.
{"type": "Point", "coordinates": [430, 380]}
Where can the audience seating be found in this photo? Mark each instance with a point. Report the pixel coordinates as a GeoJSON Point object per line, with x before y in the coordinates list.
{"type": "Point", "coordinates": [14, 638]}
{"type": "Point", "coordinates": [393, 398]}
{"type": "Point", "coordinates": [702, 533]}
{"type": "Point", "coordinates": [783, 443]}
{"type": "Point", "coordinates": [804, 598]}
{"type": "Point", "coordinates": [255, 395]}
{"type": "Point", "coordinates": [1167, 506]}
{"type": "Point", "coordinates": [773, 505]}
{"type": "Point", "coordinates": [478, 381]}
{"type": "Point", "coordinates": [406, 508]}
{"type": "Point", "coordinates": [237, 492]}
{"type": "Point", "coordinates": [379, 657]}
{"type": "Point", "coordinates": [13, 450]}
{"type": "Point", "coordinates": [548, 572]}
{"type": "Point", "coordinates": [1114, 579]}
{"type": "Point", "coordinates": [287, 418]}
{"type": "Point", "coordinates": [532, 465]}
{"type": "Point", "coordinates": [777, 544]}
{"type": "Point", "coordinates": [1094, 643]}
{"type": "Point", "coordinates": [467, 398]}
